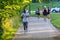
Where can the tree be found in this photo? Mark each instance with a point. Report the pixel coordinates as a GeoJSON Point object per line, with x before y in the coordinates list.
{"type": "Point", "coordinates": [46, 1]}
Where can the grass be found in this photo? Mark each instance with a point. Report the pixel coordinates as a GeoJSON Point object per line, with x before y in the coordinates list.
{"type": "Point", "coordinates": [55, 20]}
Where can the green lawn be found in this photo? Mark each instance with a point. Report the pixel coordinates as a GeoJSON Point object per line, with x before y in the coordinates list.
{"type": "Point", "coordinates": [55, 20]}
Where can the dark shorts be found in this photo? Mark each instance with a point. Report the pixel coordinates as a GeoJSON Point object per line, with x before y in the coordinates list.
{"type": "Point", "coordinates": [37, 13]}
{"type": "Point", "coordinates": [45, 15]}
{"type": "Point", "coordinates": [25, 23]}
{"type": "Point", "coordinates": [48, 13]}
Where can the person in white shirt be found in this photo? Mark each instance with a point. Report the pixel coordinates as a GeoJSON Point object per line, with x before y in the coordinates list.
{"type": "Point", "coordinates": [25, 16]}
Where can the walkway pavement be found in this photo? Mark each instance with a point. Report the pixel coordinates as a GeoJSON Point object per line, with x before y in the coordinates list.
{"type": "Point", "coordinates": [38, 29]}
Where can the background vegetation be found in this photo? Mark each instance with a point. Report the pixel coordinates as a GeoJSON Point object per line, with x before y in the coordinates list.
{"type": "Point", "coordinates": [10, 20]}
{"type": "Point", "coordinates": [55, 19]}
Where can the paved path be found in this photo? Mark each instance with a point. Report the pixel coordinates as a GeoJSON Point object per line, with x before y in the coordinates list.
{"type": "Point", "coordinates": [38, 30]}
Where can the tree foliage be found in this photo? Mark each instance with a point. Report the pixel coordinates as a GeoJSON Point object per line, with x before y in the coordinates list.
{"type": "Point", "coordinates": [8, 10]}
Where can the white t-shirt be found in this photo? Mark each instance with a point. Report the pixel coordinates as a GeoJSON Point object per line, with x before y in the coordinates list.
{"type": "Point", "coordinates": [25, 19]}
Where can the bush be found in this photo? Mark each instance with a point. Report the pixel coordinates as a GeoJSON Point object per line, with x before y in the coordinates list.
{"type": "Point", "coordinates": [1, 29]}
{"type": "Point", "coordinates": [10, 22]}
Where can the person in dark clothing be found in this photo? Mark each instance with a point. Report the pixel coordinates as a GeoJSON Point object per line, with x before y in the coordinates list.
{"type": "Point", "coordinates": [48, 12]}
{"type": "Point", "coordinates": [38, 12]}
{"type": "Point", "coordinates": [45, 14]}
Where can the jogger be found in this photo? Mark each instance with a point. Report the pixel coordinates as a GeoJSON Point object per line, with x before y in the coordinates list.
{"type": "Point", "coordinates": [38, 12]}
{"type": "Point", "coordinates": [45, 14]}
{"type": "Point", "coordinates": [25, 16]}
